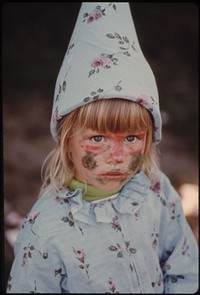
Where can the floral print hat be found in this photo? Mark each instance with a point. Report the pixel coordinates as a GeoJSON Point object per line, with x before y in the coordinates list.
{"type": "Point", "coordinates": [104, 60]}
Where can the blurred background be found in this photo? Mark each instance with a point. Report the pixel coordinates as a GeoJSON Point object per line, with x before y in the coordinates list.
{"type": "Point", "coordinates": [35, 36]}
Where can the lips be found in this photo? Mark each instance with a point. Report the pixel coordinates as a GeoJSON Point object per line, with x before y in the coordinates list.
{"type": "Point", "coordinates": [114, 175]}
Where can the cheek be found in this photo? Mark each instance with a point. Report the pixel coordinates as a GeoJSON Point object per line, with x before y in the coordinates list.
{"type": "Point", "coordinates": [97, 150]}
{"type": "Point", "coordinates": [135, 150]}
{"type": "Point", "coordinates": [83, 157]}
{"type": "Point", "coordinates": [89, 162]}
{"type": "Point", "coordinates": [136, 161]}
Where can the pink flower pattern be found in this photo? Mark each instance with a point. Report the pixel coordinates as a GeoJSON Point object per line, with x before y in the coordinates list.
{"type": "Point", "coordinates": [103, 61]}
{"type": "Point", "coordinates": [81, 257]}
{"type": "Point", "coordinates": [156, 187]}
{"type": "Point", "coordinates": [142, 101]}
{"type": "Point", "coordinates": [96, 13]}
{"type": "Point", "coordinates": [100, 61]}
{"type": "Point", "coordinates": [115, 223]}
{"type": "Point", "coordinates": [106, 60]}
{"type": "Point", "coordinates": [111, 286]}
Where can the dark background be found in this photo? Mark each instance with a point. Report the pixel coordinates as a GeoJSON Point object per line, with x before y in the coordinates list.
{"type": "Point", "coordinates": [35, 36]}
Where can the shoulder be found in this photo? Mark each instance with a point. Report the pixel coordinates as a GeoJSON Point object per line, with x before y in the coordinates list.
{"type": "Point", "coordinates": [160, 183]}
{"type": "Point", "coordinates": [168, 197]}
{"type": "Point", "coordinates": [157, 187]}
{"type": "Point", "coordinates": [157, 183]}
{"type": "Point", "coordinates": [46, 216]}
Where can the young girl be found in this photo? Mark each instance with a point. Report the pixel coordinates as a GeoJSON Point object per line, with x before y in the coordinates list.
{"type": "Point", "coordinates": [107, 220]}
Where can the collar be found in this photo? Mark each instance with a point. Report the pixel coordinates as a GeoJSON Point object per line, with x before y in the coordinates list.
{"type": "Point", "coordinates": [90, 193]}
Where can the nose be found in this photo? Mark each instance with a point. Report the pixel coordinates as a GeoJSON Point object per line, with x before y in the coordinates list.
{"type": "Point", "coordinates": [116, 153]}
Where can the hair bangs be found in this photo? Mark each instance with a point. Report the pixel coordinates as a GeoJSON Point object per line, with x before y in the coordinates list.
{"type": "Point", "coordinates": [115, 116]}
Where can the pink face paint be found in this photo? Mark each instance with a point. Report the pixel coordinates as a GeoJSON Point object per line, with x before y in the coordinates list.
{"type": "Point", "coordinates": [118, 147]}
{"type": "Point", "coordinates": [95, 149]}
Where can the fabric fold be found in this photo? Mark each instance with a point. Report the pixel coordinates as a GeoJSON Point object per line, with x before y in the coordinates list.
{"type": "Point", "coordinates": [127, 201]}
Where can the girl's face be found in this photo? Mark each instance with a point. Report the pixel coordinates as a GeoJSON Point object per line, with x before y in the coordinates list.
{"type": "Point", "coordinates": [106, 161]}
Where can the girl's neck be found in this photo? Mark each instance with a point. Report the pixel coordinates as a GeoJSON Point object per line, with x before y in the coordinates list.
{"type": "Point", "coordinates": [90, 193]}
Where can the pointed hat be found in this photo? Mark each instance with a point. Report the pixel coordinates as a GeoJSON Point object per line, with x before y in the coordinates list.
{"type": "Point", "coordinates": [104, 60]}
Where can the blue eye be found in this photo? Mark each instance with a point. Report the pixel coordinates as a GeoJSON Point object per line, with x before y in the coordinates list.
{"type": "Point", "coordinates": [97, 138]}
{"type": "Point", "coordinates": [131, 138]}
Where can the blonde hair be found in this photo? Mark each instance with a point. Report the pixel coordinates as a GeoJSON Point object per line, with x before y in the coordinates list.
{"type": "Point", "coordinates": [105, 115]}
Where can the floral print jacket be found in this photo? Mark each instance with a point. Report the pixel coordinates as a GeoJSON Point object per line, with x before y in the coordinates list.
{"type": "Point", "coordinates": [136, 242]}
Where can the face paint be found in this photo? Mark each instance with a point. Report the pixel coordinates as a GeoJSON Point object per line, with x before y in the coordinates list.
{"type": "Point", "coordinates": [89, 162]}
{"type": "Point", "coordinates": [107, 161]}
{"type": "Point", "coordinates": [95, 149]}
{"type": "Point", "coordinates": [136, 161]}
{"type": "Point", "coordinates": [117, 151]}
